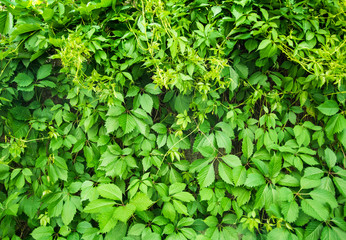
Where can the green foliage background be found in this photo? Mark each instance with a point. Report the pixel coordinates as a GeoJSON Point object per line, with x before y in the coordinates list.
{"type": "Point", "coordinates": [152, 119]}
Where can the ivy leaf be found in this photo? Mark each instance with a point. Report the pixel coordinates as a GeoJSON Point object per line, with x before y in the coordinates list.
{"type": "Point", "coordinates": [127, 123]}
{"type": "Point", "coordinates": [254, 180]}
{"type": "Point", "coordinates": [329, 107]}
{"type": "Point", "coordinates": [290, 210]}
{"type": "Point", "coordinates": [42, 233]}
{"type": "Point", "coordinates": [141, 201]}
{"type": "Point", "coordinates": [315, 209]}
{"type": "Point", "coordinates": [98, 205]}
{"type": "Point", "coordinates": [23, 80]}
{"type": "Point", "coordinates": [206, 176]}
{"type": "Point", "coordinates": [44, 71]}
{"type": "Point", "coordinates": [146, 102]}
{"type": "Point", "coordinates": [110, 191]}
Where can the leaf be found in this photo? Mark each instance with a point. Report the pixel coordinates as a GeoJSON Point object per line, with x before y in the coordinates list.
{"type": "Point", "coordinates": [123, 213]}
{"type": "Point", "coordinates": [341, 185]}
{"type": "Point", "coordinates": [330, 157]}
{"type": "Point", "coordinates": [180, 207]}
{"type": "Point", "coordinates": [278, 233]}
{"type": "Point", "coordinates": [68, 212]}
{"type": "Point", "coordinates": [110, 191]}
{"type": "Point", "coordinates": [6, 22]}
{"type": "Point", "coordinates": [44, 71]}
{"type": "Point", "coordinates": [98, 205]}
{"type": "Point", "coordinates": [264, 43]}
{"type": "Point", "coordinates": [324, 196]}
{"type": "Point", "coordinates": [146, 102]}
{"type": "Point", "coordinates": [247, 147]}
{"type": "Point", "coordinates": [206, 176]}
{"type": "Point", "coordinates": [141, 201]}
{"type": "Point", "coordinates": [107, 221]}
{"type": "Point", "coordinates": [223, 141]}
{"type": "Point", "coordinates": [232, 160]}
{"type": "Point", "coordinates": [290, 210]}
{"type": "Point", "coordinates": [42, 233]}
{"type": "Point", "coordinates": [176, 188]}
{"type": "Point", "coordinates": [239, 175]}
{"type": "Point", "coordinates": [127, 123]}
{"type": "Point", "coordinates": [254, 180]}
{"type": "Point", "coordinates": [136, 229]}
{"type": "Point", "coordinates": [168, 211]}
{"type": "Point", "coordinates": [328, 233]}
{"type": "Point", "coordinates": [159, 128]}
{"type": "Point", "coordinates": [23, 80]}
{"type": "Point", "coordinates": [313, 230]}
{"type": "Point", "coordinates": [329, 107]}
{"type": "Point", "coordinates": [225, 173]}
{"type": "Point", "coordinates": [184, 196]}
{"type": "Point", "coordinates": [315, 209]}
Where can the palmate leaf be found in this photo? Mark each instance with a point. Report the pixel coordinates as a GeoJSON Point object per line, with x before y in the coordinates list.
{"type": "Point", "coordinates": [127, 123]}
{"type": "Point", "coordinates": [315, 209]}
{"type": "Point", "coordinates": [206, 176]}
{"type": "Point", "coordinates": [141, 201]}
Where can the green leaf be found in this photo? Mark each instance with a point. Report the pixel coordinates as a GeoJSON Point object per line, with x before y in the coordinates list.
{"type": "Point", "coordinates": [341, 185]}
{"type": "Point", "coordinates": [141, 201]}
{"type": "Point", "coordinates": [6, 22]}
{"type": "Point", "coordinates": [146, 102]}
{"type": "Point", "coordinates": [278, 233]}
{"type": "Point", "coordinates": [23, 80]}
{"type": "Point", "coordinates": [206, 176]}
{"type": "Point", "coordinates": [247, 147]}
{"type": "Point", "coordinates": [329, 107]}
{"type": "Point", "coordinates": [225, 173]}
{"type": "Point", "coordinates": [324, 196]}
{"type": "Point", "coordinates": [168, 211]}
{"type": "Point", "coordinates": [110, 191]}
{"type": "Point", "coordinates": [42, 233]}
{"type": "Point", "coordinates": [223, 141]}
{"type": "Point", "coordinates": [98, 205]}
{"type": "Point", "coordinates": [329, 233]}
{"type": "Point", "coordinates": [123, 213]}
{"type": "Point", "coordinates": [232, 160]}
{"type": "Point", "coordinates": [180, 207]}
{"type": "Point", "coordinates": [136, 229]}
{"type": "Point", "coordinates": [239, 175]}
{"type": "Point", "coordinates": [127, 123]}
{"type": "Point", "coordinates": [315, 209]}
{"type": "Point", "coordinates": [107, 221]}
{"type": "Point", "coordinates": [313, 230]}
{"type": "Point", "coordinates": [68, 212]}
{"type": "Point", "coordinates": [264, 43]}
{"type": "Point", "coordinates": [290, 210]}
{"type": "Point", "coordinates": [330, 157]}
{"type": "Point", "coordinates": [44, 71]}
{"type": "Point", "coordinates": [254, 180]}
{"type": "Point", "coordinates": [176, 188]}
{"type": "Point", "coordinates": [184, 196]}
{"type": "Point", "coordinates": [159, 128]}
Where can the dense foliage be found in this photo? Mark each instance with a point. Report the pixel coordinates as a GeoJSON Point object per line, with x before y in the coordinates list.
{"type": "Point", "coordinates": [175, 119]}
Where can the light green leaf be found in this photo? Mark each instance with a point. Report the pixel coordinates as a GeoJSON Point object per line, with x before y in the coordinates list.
{"type": "Point", "coordinates": [180, 207]}
{"type": "Point", "coordinates": [341, 185]}
{"type": "Point", "coordinates": [329, 107]}
{"type": "Point", "coordinates": [98, 205]}
{"type": "Point", "coordinates": [42, 233]}
{"type": "Point", "coordinates": [232, 160]}
{"type": "Point", "coordinates": [136, 229]}
{"type": "Point", "coordinates": [330, 157]}
{"type": "Point", "coordinates": [247, 147]}
{"type": "Point", "coordinates": [127, 123]}
{"type": "Point", "coordinates": [278, 233]}
{"type": "Point", "coordinates": [107, 221]}
{"type": "Point", "coordinates": [315, 209]}
{"type": "Point", "coordinates": [141, 201]}
{"type": "Point", "coordinates": [223, 141]}
{"type": "Point", "coordinates": [324, 196]}
{"type": "Point", "coordinates": [159, 128]}
{"type": "Point", "coordinates": [254, 180]}
{"type": "Point", "coordinates": [239, 175]}
{"type": "Point", "coordinates": [110, 191]}
{"type": "Point", "coordinates": [68, 212]}
{"type": "Point", "coordinates": [225, 173]}
{"type": "Point", "coordinates": [264, 44]}
{"type": "Point", "coordinates": [290, 210]}
{"type": "Point", "coordinates": [168, 211]}
{"type": "Point", "coordinates": [184, 196]}
{"type": "Point", "coordinates": [146, 102]}
{"type": "Point", "coordinates": [176, 187]}
{"type": "Point", "coordinates": [206, 176]}
{"type": "Point", "coordinates": [123, 213]}
{"type": "Point", "coordinates": [313, 230]}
